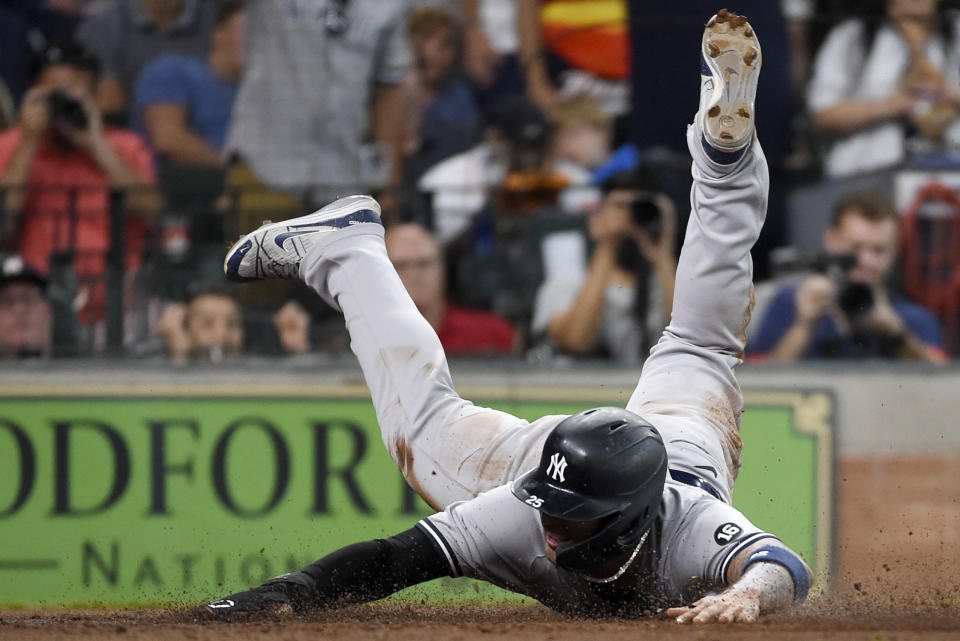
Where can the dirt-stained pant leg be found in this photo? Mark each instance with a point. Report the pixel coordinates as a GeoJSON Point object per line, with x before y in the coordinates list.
{"type": "Point", "coordinates": [688, 388]}
{"type": "Point", "coordinates": [447, 448]}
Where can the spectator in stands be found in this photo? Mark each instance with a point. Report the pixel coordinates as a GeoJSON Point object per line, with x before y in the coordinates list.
{"type": "Point", "coordinates": [59, 164]}
{"type": "Point", "coordinates": [127, 34]}
{"type": "Point", "coordinates": [26, 316]}
{"type": "Point", "coordinates": [417, 258]}
{"type": "Point", "coordinates": [207, 327]}
{"type": "Point", "coordinates": [581, 143]}
{"type": "Point", "coordinates": [849, 312]}
{"type": "Point", "coordinates": [447, 120]}
{"type": "Point", "coordinates": [503, 54]}
{"type": "Point", "coordinates": [513, 163]}
{"type": "Point", "coordinates": [581, 139]}
{"type": "Point", "coordinates": [321, 105]}
{"type": "Point", "coordinates": [617, 306]}
{"type": "Point", "coordinates": [872, 78]}
{"type": "Point", "coordinates": [548, 49]}
{"type": "Point", "coordinates": [183, 103]}
{"type": "Point", "coordinates": [292, 323]}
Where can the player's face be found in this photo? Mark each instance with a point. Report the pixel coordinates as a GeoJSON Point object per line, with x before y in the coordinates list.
{"type": "Point", "coordinates": [874, 243]}
{"type": "Point", "coordinates": [557, 532]}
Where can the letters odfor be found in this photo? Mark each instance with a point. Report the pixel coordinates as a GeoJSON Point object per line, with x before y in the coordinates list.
{"type": "Point", "coordinates": [124, 464]}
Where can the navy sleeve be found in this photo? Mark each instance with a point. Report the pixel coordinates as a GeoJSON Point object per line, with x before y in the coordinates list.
{"type": "Point", "coordinates": [163, 80]}
{"type": "Point", "coordinates": [921, 323]}
{"type": "Point", "coordinates": [775, 323]}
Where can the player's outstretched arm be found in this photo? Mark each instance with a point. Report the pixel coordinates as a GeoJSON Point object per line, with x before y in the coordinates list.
{"type": "Point", "coordinates": [354, 574]}
{"type": "Point", "coordinates": [763, 577]}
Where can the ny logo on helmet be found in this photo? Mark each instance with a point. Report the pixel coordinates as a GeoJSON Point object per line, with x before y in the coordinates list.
{"type": "Point", "coordinates": [558, 464]}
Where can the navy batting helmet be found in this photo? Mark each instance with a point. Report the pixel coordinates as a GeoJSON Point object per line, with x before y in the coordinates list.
{"type": "Point", "coordinates": [605, 463]}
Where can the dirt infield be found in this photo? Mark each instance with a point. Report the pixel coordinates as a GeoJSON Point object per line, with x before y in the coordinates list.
{"type": "Point", "coordinates": [897, 579]}
{"type": "Point", "coordinates": [866, 620]}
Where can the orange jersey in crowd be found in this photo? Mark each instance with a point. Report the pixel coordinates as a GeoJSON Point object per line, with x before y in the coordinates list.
{"type": "Point", "coordinates": [591, 35]}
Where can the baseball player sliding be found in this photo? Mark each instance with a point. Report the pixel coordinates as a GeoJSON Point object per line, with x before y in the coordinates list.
{"type": "Point", "coordinates": [606, 512]}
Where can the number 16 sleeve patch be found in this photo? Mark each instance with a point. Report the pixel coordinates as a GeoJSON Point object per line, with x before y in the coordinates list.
{"type": "Point", "coordinates": [702, 536]}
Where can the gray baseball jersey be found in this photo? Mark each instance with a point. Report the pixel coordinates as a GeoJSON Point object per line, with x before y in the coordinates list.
{"type": "Point", "coordinates": [460, 457]}
{"type": "Point", "coordinates": [497, 538]}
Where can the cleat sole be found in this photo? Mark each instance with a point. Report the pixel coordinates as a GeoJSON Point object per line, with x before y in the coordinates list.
{"type": "Point", "coordinates": [732, 52]}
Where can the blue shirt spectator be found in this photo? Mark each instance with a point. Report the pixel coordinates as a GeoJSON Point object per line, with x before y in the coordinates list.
{"type": "Point", "coordinates": [449, 124]}
{"type": "Point", "coordinates": [829, 341]}
{"type": "Point", "coordinates": [189, 82]}
{"type": "Point", "coordinates": [448, 119]}
{"type": "Point", "coordinates": [848, 312]}
{"type": "Point", "coordinates": [126, 35]}
{"type": "Point", "coordinates": [183, 104]}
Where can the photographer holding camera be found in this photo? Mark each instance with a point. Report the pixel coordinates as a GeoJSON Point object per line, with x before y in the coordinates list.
{"type": "Point", "coordinates": [59, 164]}
{"type": "Point", "coordinates": [619, 306]}
{"type": "Point", "coordinates": [844, 309]}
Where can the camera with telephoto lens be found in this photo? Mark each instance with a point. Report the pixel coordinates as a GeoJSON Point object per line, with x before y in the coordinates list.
{"type": "Point", "coordinates": [854, 299]}
{"type": "Point", "coordinates": [67, 109]}
{"type": "Point", "coordinates": [646, 213]}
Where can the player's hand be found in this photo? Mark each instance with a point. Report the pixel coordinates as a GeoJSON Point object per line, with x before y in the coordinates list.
{"type": "Point", "coordinates": [269, 600]}
{"type": "Point", "coordinates": [813, 298]}
{"type": "Point", "coordinates": [734, 605]}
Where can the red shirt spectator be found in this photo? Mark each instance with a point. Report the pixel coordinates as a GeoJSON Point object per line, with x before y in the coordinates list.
{"type": "Point", "coordinates": [53, 180]}
{"type": "Point", "coordinates": [473, 331]}
{"type": "Point", "coordinates": [58, 165]}
{"type": "Point", "coordinates": [416, 257]}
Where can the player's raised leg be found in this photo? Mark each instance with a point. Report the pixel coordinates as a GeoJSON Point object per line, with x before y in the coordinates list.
{"type": "Point", "coordinates": [447, 448]}
{"type": "Point", "coordinates": [688, 378]}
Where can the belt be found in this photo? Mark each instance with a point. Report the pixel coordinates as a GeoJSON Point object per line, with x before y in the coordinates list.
{"type": "Point", "coordinates": [692, 479]}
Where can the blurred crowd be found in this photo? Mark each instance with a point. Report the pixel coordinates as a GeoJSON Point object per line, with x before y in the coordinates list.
{"type": "Point", "coordinates": [529, 156]}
